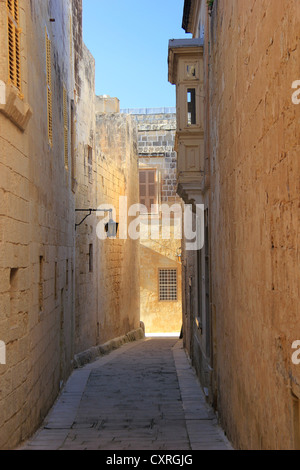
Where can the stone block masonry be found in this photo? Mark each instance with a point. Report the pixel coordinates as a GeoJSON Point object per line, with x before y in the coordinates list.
{"type": "Point", "coordinates": [117, 170]}
{"type": "Point", "coordinates": [156, 141]}
{"type": "Point", "coordinates": [255, 219]}
{"type": "Point", "coordinates": [37, 224]}
{"type": "Point", "coordinates": [107, 271]}
{"type": "Point", "coordinates": [61, 291]}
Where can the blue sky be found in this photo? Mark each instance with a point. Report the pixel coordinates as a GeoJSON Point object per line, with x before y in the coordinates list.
{"type": "Point", "coordinates": [129, 40]}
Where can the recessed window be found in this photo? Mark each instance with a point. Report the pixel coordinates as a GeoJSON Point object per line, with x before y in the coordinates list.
{"type": "Point", "coordinates": [90, 155]}
{"type": "Point", "coordinates": [191, 103]}
{"type": "Point", "coordinates": [148, 190]}
{"type": "Point", "coordinates": [41, 284]}
{"type": "Point", "coordinates": [55, 280]}
{"type": "Point", "coordinates": [13, 283]}
{"type": "Point", "coordinates": [91, 250]}
{"type": "Point", "coordinates": [90, 163]}
{"type": "Point", "coordinates": [73, 146]}
{"type": "Point", "coordinates": [14, 294]}
{"type": "Point", "coordinates": [167, 285]}
{"type": "Point", "coordinates": [49, 87]}
{"type": "Point", "coordinates": [67, 274]}
{"type": "Point", "coordinates": [66, 128]}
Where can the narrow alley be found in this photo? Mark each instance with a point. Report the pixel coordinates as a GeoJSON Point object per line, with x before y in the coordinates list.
{"type": "Point", "coordinates": [149, 225]}
{"type": "Point", "coordinates": [143, 396]}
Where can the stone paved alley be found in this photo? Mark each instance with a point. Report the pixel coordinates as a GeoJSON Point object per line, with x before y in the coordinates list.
{"type": "Point", "coordinates": [143, 396]}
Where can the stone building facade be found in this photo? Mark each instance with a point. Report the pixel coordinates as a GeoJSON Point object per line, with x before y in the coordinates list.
{"type": "Point", "coordinates": [47, 125]}
{"type": "Point", "coordinates": [248, 54]}
{"type": "Point", "coordinates": [37, 216]}
{"type": "Point", "coordinates": [107, 271]}
{"type": "Point", "coordinates": [160, 293]}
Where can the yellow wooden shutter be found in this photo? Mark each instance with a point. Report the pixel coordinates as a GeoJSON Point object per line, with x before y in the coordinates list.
{"type": "Point", "coordinates": [14, 52]}
{"type": "Point", "coordinates": [49, 88]}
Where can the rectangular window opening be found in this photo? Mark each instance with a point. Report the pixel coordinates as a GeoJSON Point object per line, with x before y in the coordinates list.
{"type": "Point", "coordinates": [73, 145]}
{"type": "Point", "coordinates": [55, 280]}
{"type": "Point", "coordinates": [67, 274]}
{"type": "Point", "coordinates": [41, 283]}
{"type": "Point", "coordinates": [191, 103]}
{"type": "Point", "coordinates": [71, 40]}
{"type": "Point", "coordinates": [91, 249]}
{"type": "Point", "coordinates": [148, 190]}
{"type": "Point", "coordinates": [90, 163]}
{"type": "Point", "coordinates": [167, 285]}
{"type": "Point", "coordinates": [49, 88]}
{"type": "Point", "coordinates": [66, 128]}
{"type": "Point", "coordinates": [13, 278]}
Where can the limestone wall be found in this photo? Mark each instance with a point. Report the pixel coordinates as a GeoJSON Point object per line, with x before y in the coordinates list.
{"type": "Point", "coordinates": [86, 334]}
{"type": "Point", "coordinates": [107, 271]}
{"type": "Point", "coordinates": [119, 260]}
{"type": "Point", "coordinates": [37, 225]}
{"type": "Point", "coordinates": [255, 219]}
{"type": "Point", "coordinates": [156, 140]}
{"type": "Point", "coordinates": [62, 291]}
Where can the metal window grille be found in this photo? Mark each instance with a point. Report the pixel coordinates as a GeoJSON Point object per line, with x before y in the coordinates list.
{"type": "Point", "coordinates": [168, 285]}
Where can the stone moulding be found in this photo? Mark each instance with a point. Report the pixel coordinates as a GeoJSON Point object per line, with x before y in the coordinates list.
{"type": "Point", "coordinates": [14, 108]}
{"type": "Point", "coordinates": [94, 353]}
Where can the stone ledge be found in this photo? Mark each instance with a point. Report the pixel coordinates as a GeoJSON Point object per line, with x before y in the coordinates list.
{"type": "Point", "coordinates": [13, 107]}
{"type": "Point", "coordinates": [94, 353]}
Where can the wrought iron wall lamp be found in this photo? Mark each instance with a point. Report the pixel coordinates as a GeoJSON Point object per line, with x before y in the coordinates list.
{"type": "Point", "coordinates": [111, 227]}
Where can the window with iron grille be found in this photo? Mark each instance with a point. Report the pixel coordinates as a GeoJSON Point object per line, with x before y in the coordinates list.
{"type": "Point", "coordinates": [167, 285]}
{"type": "Point", "coordinates": [14, 46]}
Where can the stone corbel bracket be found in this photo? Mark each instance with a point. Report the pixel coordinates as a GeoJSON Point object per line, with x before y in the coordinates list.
{"type": "Point", "coordinates": [13, 107]}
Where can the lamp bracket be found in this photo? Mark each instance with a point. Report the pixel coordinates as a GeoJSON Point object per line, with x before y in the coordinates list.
{"type": "Point", "coordinates": [90, 211]}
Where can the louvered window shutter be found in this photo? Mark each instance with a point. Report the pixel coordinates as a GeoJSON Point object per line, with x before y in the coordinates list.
{"type": "Point", "coordinates": [14, 32]}
{"type": "Point", "coordinates": [148, 189]}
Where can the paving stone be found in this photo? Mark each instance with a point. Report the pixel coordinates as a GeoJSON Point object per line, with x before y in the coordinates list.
{"type": "Point", "coordinates": [144, 396]}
